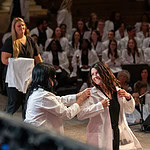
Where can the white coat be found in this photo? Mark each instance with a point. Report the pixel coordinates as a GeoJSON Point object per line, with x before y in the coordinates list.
{"type": "Point", "coordinates": [124, 42]}
{"type": "Point", "coordinates": [92, 59]}
{"type": "Point", "coordinates": [146, 43]}
{"type": "Point", "coordinates": [63, 59]}
{"type": "Point", "coordinates": [106, 43]}
{"type": "Point", "coordinates": [5, 37]}
{"type": "Point", "coordinates": [65, 17]}
{"type": "Point", "coordinates": [46, 110]}
{"type": "Point", "coordinates": [132, 118]}
{"type": "Point", "coordinates": [118, 36]}
{"type": "Point", "coordinates": [63, 42]}
{"type": "Point", "coordinates": [138, 26]}
{"type": "Point", "coordinates": [71, 49]}
{"type": "Point", "coordinates": [147, 55]}
{"type": "Point", "coordinates": [99, 48]}
{"type": "Point", "coordinates": [99, 130]}
{"type": "Point", "coordinates": [141, 36]}
{"type": "Point", "coordinates": [109, 25]}
{"type": "Point", "coordinates": [114, 67]}
{"type": "Point", "coordinates": [35, 30]}
{"type": "Point", "coordinates": [24, 7]}
{"type": "Point", "coordinates": [126, 59]}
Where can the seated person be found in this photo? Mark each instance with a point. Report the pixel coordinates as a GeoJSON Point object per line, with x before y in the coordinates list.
{"type": "Point", "coordinates": [142, 107]}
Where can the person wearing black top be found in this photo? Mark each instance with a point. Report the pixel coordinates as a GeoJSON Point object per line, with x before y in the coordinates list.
{"type": "Point", "coordinates": [55, 55]}
{"type": "Point", "coordinates": [107, 128]}
{"type": "Point", "coordinates": [18, 45]}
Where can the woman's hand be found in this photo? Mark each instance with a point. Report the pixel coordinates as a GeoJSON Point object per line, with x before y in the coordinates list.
{"type": "Point", "coordinates": [123, 93]}
{"type": "Point", "coordinates": [82, 96]}
{"type": "Point", "coordinates": [4, 57]}
{"type": "Point", "coordinates": [105, 102]}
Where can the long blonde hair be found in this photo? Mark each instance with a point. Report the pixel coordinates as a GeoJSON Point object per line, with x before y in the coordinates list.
{"type": "Point", "coordinates": [65, 4]}
{"type": "Point", "coordinates": [16, 43]}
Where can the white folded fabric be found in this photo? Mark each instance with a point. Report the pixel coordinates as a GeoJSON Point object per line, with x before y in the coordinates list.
{"type": "Point", "coordinates": [19, 73]}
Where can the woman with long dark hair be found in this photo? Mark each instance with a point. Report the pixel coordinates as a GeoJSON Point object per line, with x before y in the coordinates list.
{"type": "Point", "coordinates": [106, 107]}
{"type": "Point", "coordinates": [111, 57]}
{"type": "Point", "coordinates": [43, 107]}
{"type": "Point", "coordinates": [133, 54]}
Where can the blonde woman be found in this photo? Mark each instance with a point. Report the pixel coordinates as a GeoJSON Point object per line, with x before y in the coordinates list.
{"type": "Point", "coordinates": [18, 45]}
{"type": "Point", "coordinates": [64, 15]}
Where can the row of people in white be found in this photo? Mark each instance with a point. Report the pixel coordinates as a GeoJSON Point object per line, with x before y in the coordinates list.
{"type": "Point", "coordinates": [111, 56]}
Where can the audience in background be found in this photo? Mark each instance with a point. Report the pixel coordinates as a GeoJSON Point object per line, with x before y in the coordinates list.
{"type": "Point", "coordinates": [132, 55]}
{"type": "Point", "coordinates": [96, 43]}
{"type": "Point", "coordinates": [86, 58]}
{"type": "Point", "coordinates": [124, 78]}
{"type": "Point", "coordinates": [42, 31]}
{"type": "Point", "coordinates": [58, 36]}
{"type": "Point", "coordinates": [121, 32]}
{"type": "Point", "coordinates": [55, 55]}
{"type": "Point", "coordinates": [93, 21]}
{"type": "Point", "coordinates": [111, 57]}
{"type": "Point", "coordinates": [64, 15]}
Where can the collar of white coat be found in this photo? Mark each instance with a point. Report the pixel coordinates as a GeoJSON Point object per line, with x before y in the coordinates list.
{"type": "Point", "coordinates": [94, 89]}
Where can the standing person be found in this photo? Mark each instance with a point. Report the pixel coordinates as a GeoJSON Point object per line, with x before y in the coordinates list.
{"type": "Point", "coordinates": [20, 8]}
{"type": "Point", "coordinates": [44, 108]}
{"type": "Point", "coordinates": [106, 107]}
{"type": "Point", "coordinates": [64, 15]}
{"type": "Point", "coordinates": [18, 45]}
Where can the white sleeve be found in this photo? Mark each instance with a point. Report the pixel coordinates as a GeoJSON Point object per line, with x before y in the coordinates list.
{"type": "Point", "coordinates": [129, 106]}
{"type": "Point", "coordinates": [61, 17]}
{"type": "Point", "coordinates": [54, 105]}
{"type": "Point", "coordinates": [90, 109]}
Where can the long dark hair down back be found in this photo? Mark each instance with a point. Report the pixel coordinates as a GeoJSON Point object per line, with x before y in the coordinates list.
{"type": "Point", "coordinates": [41, 75]}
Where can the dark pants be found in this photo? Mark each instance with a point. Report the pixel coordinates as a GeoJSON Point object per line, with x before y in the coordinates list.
{"type": "Point", "coordinates": [15, 100]}
{"type": "Point", "coordinates": [116, 137]}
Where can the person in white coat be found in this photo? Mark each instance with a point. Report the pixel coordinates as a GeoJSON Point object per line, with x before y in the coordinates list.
{"type": "Point", "coordinates": [111, 36]}
{"type": "Point", "coordinates": [55, 55]}
{"type": "Point", "coordinates": [121, 32]}
{"type": "Point", "coordinates": [42, 31]}
{"type": "Point", "coordinates": [102, 30]}
{"type": "Point", "coordinates": [131, 34]}
{"type": "Point", "coordinates": [142, 107]}
{"type": "Point", "coordinates": [64, 15]}
{"type": "Point", "coordinates": [107, 128]}
{"type": "Point", "coordinates": [146, 41]}
{"type": "Point", "coordinates": [58, 36]}
{"type": "Point", "coordinates": [144, 32]}
{"type": "Point", "coordinates": [83, 59]}
{"type": "Point", "coordinates": [20, 8]}
{"type": "Point", "coordinates": [112, 57]}
{"type": "Point", "coordinates": [96, 43]}
{"type": "Point", "coordinates": [74, 43]}
{"type": "Point", "coordinates": [132, 55]}
{"type": "Point", "coordinates": [43, 108]}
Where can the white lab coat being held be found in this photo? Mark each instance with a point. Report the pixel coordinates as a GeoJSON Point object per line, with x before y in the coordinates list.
{"type": "Point", "coordinates": [46, 110]}
{"type": "Point", "coordinates": [99, 130]}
